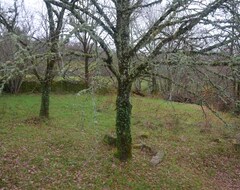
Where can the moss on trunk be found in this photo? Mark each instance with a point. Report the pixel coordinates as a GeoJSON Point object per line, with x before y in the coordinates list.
{"type": "Point", "coordinates": [46, 87]}
{"type": "Point", "coordinates": [44, 110]}
{"type": "Point", "coordinates": [123, 122]}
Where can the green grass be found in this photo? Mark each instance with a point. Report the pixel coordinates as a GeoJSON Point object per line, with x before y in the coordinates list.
{"type": "Point", "coordinates": [67, 152]}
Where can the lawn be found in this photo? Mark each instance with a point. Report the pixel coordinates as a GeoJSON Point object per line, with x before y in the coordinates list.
{"type": "Point", "coordinates": [67, 151]}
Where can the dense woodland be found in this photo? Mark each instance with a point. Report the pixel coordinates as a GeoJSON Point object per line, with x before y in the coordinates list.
{"type": "Point", "coordinates": [184, 51]}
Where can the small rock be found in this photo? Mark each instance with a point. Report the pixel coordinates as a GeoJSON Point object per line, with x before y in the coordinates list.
{"type": "Point", "coordinates": [205, 130]}
{"type": "Point", "coordinates": [145, 148]}
{"type": "Point", "coordinates": [98, 110]}
{"type": "Point", "coordinates": [144, 135]}
{"type": "Point", "coordinates": [110, 140]}
{"type": "Point", "coordinates": [218, 140]}
{"type": "Point", "coordinates": [183, 139]}
{"type": "Point", "coordinates": [157, 158]}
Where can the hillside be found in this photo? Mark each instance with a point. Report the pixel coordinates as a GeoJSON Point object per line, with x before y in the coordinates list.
{"type": "Point", "coordinates": [67, 152]}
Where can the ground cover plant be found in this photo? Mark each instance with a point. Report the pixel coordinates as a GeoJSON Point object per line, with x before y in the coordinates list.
{"type": "Point", "coordinates": [67, 151]}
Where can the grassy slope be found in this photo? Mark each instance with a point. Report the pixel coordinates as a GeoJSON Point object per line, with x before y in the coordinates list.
{"type": "Point", "coordinates": [67, 152]}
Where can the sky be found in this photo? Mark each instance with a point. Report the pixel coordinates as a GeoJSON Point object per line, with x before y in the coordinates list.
{"type": "Point", "coordinates": [32, 7]}
{"type": "Point", "coordinates": [29, 4]}
{"type": "Point", "coordinates": [36, 7]}
{"type": "Point", "coordinates": [34, 4]}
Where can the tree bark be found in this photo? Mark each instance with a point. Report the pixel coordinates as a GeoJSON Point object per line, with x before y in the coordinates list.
{"type": "Point", "coordinates": [123, 121]}
{"type": "Point", "coordinates": [44, 110]}
{"type": "Point", "coordinates": [55, 27]}
{"type": "Point", "coordinates": [46, 88]}
{"type": "Point", "coordinates": [138, 87]}
{"type": "Point", "coordinates": [155, 86]}
{"type": "Point", "coordinates": [86, 60]}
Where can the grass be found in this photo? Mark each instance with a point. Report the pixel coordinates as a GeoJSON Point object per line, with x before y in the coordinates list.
{"type": "Point", "coordinates": [67, 152]}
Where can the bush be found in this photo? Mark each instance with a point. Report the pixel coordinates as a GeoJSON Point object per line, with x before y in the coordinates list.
{"type": "Point", "coordinates": [59, 86]}
{"type": "Point", "coordinates": [68, 86]}
{"type": "Point", "coordinates": [31, 85]}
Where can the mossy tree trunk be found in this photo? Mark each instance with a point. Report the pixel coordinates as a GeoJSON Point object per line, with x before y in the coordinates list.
{"type": "Point", "coordinates": [155, 86]}
{"type": "Point", "coordinates": [44, 110]}
{"type": "Point", "coordinates": [46, 88]}
{"type": "Point", "coordinates": [236, 91]}
{"type": "Point", "coordinates": [87, 77]}
{"type": "Point", "coordinates": [138, 87]}
{"type": "Point", "coordinates": [123, 121]}
{"type": "Point", "coordinates": [126, 70]}
{"type": "Point", "coordinates": [55, 27]}
{"type": "Point", "coordinates": [123, 106]}
{"type": "Point", "coordinates": [154, 80]}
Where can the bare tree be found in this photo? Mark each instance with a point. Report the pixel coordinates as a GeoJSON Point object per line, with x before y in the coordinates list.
{"type": "Point", "coordinates": [87, 43]}
{"type": "Point", "coordinates": [118, 27]}
{"type": "Point", "coordinates": [14, 42]}
{"type": "Point", "coordinates": [55, 24]}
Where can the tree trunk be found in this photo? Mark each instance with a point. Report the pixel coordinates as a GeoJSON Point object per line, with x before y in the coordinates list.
{"type": "Point", "coordinates": [138, 87]}
{"type": "Point", "coordinates": [237, 97]}
{"type": "Point", "coordinates": [155, 86]}
{"type": "Point", "coordinates": [123, 121]}
{"type": "Point", "coordinates": [44, 111]}
{"type": "Point", "coordinates": [86, 71]}
{"type": "Point", "coordinates": [236, 90]}
{"type": "Point", "coordinates": [46, 88]}
{"type": "Point", "coordinates": [55, 29]}
{"type": "Point", "coordinates": [15, 84]}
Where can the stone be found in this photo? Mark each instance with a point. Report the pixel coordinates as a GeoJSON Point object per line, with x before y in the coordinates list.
{"type": "Point", "coordinates": [144, 135]}
{"type": "Point", "coordinates": [110, 140]}
{"type": "Point", "coordinates": [145, 148]}
{"type": "Point", "coordinates": [157, 158]}
{"type": "Point", "coordinates": [217, 140]}
{"type": "Point", "coordinates": [183, 139]}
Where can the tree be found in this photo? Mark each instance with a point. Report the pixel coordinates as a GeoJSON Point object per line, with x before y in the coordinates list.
{"type": "Point", "coordinates": [233, 8]}
{"type": "Point", "coordinates": [87, 43]}
{"type": "Point", "coordinates": [228, 29]}
{"type": "Point", "coordinates": [55, 28]}
{"type": "Point", "coordinates": [14, 41]}
{"type": "Point", "coordinates": [176, 13]}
